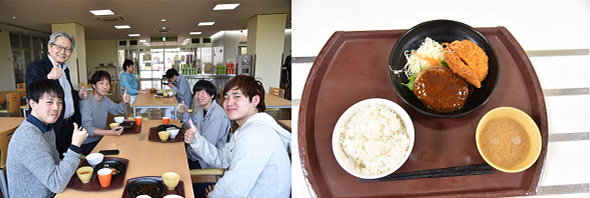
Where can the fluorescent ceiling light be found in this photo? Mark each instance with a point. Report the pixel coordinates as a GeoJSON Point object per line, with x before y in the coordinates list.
{"type": "Point", "coordinates": [226, 6]}
{"type": "Point", "coordinates": [122, 26]}
{"type": "Point", "coordinates": [134, 35]}
{"type": "Point", "coordinates": [101, 12]}
{"type": "Point", "coordinates": [143, 41]}
{"type": "Point", "coordinates": [163, 20]}
{"type": "Point", "coordinates": [206, 23]}
{"type": "Point", "coordinates": [193, 33]}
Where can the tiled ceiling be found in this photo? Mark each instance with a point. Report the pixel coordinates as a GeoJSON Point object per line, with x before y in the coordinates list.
{"type": "Point", "coordinates": [144, 17]}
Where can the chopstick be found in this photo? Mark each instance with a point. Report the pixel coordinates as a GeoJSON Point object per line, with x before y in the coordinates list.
{"type": "Point", "coordinates": [478, 169]}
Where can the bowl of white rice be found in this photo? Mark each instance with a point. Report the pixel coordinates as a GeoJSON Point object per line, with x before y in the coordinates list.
{"type": "Point", "coordinates": [373, 138]}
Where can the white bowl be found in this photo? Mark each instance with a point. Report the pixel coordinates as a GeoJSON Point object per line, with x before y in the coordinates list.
{"type": "Point", "coordinates": [172, 196]}
{"type": "Point", "coordinates": [173, 132]}
{"type": "Point", "coordinates": [94, 159]}
{"type": "Point", "coordinates": [119, 119]}
{"type": "Point", "coordinates": [143, 196]}
{"type": "Point", "coordinates": [346, 163]}
{"type": "Point", "coordinates": [170, 94]}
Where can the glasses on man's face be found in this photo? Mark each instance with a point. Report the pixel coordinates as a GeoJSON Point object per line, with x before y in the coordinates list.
{"type": "Point", "coordinates": [60, 48]}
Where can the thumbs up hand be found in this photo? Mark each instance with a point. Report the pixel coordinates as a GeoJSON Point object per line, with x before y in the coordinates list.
{"type": "Point", "coordinates": [55, 72]}
{"type": "Point", "coordinates": [126, 97]}
{"type": "Point", "coordinates": [82, 93]}
{"type": "Point", "coordinates": [190, 133]}
{"type": "Point", "coordinates": [182, 108]}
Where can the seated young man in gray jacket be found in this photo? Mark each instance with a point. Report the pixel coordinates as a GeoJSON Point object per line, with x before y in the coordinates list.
{"type": "Point", "coordinates": [256, 155]}
{"type": "Point", "coordinates": [97, 107]}
{"type": "Point", "coordinates": [33, 166]}
{"type": "Point", "coordinates": [211, 121]}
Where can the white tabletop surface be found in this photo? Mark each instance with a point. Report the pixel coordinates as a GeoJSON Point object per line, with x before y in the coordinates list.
{"type": "Point", "coordinates": [555, 35]}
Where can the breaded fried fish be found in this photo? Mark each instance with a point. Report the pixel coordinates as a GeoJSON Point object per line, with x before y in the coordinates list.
{"type": "Point", "coordinates": [468, 60]}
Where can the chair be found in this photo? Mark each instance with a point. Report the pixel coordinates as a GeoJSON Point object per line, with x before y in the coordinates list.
{"type": "Point", "coordinates": [22, 91]}
{"type": "Point", "coordinates": [280, 93]}
{"type": "Point", "coordinates": [4, 139]}
{"type": "Point", "coordinates": [209, 175]}
{"type": "Point", "coordinates": [12, 104]}
{"type": "Point", "coordinates": [277, 92]}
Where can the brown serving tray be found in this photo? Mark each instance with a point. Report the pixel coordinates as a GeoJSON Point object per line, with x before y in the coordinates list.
{"type": "Point", "coordinates": [94, 185]}
{"type": "Point", "coordinates": [179, 190]}
{"type": "Point", "coordinates": [130, 127]}
{"type": "Point", "coordinates": [352, 67]}
{"type": "Point", "coordinates": [155, 138]}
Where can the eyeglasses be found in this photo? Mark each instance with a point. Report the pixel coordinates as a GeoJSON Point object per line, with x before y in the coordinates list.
{"type": "Point", "coordinates": [60, 48]}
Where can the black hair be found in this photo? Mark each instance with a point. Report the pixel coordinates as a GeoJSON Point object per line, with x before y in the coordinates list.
{"type": "Point", "coordinates": [171, 73]}
{"type": "Point", "coordinates": [98, 76]}
{"type": "Point", "coordinates": [36, 89]}
{"type": "Point", "coordinates": [127, 63]}
{"type": "Point", "coordinates": [249, 86]}
{"type": "Point", "coordinates": [205, 85]}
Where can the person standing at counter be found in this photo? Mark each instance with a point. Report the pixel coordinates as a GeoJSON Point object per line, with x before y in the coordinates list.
{"type": "Point", "coordinates": [180, 85]}
{"type": "Point", "coordinates": [33, 166]}
{"type": "Point", "coordinates": [96, 109]}
{"type": "Point", "coordinates": [256, 155]}
{"type": "Point", "coordinates": [60, 47]}
{"type": "Point", "coordinates": [129, 83]}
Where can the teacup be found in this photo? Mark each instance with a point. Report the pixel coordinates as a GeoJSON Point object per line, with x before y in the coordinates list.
{"type": "Point", "coordinates": [163, 135]}
{"type": "Point", "coordinates": [113, 125]}
{"type": "Point", "coordinates": [171, 180]}
{"type": "Point", "coordinates": [165, 94]}
{"type": "Point", "coordinates": [85, 173]}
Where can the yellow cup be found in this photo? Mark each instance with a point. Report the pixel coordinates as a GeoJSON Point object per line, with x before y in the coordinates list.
{"type": "Point", "coordinates": [163, 135]}
{"type": "Point", "coordinates": [165, 94]}
{"type": "Point", "coordinates": [113, 125]}
{"type": "Point", "coordinates": [171, 180]}
{"type": "Point", "coordinates": [85, 173]}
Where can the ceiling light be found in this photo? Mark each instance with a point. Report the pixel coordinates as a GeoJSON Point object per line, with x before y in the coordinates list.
{"type": "Point", "coordinates": [193, 33]}
{"type": "Point", "coordinates": [122, 26]}
{"type": "Point", "coordinates": [226, 6]}
{"type": "Point", "coordinates": [101, 12]}
{"type": "Point", "coordinates": [163, 20]}
{"type": "Point", "coordinates": [206, 23]}
{"type": "Point", "coordinates": [143, 41]}
{"type": "Point", "coordinates": [14, 17]}
{"type": "Point", "coordinates": [133, 35]}
{"type": "Point", "coordinates": [164, 27]}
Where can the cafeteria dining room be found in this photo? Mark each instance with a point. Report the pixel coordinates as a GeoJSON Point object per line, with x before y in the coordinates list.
{"type": "Point", "coordinates": [130, 70]}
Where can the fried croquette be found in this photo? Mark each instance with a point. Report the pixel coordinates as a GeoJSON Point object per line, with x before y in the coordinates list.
{"type": "Point", "coordinates": [467, 60]}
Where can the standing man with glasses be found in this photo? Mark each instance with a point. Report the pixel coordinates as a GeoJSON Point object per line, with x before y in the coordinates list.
{"type": "Point", "coordinates": [54, 67]}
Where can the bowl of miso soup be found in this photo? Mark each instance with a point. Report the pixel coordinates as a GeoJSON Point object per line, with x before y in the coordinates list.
{"type": "Point", "coordinates": [508, 139]}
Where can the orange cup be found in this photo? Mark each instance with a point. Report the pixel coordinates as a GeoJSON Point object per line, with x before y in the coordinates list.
{"type": "Point", "coordinates": [104, 176]}
{"type": "Point", "coordinates": [165, 120]}
{"type": "Point", "coordinates": [138, 120]}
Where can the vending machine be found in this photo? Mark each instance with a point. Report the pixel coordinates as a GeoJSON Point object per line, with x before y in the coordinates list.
{"type": "Point", "coordinates": [245, 65]}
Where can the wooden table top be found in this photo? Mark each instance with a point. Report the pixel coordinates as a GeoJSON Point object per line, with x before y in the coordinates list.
{"type": "Point", "coordinates": [146, 158]}
{"type": "Point", "coordinates": [146, 100]}
{"type": "Point", "coordinates": [273, 101]}
{"type": "Point", "coordinates": [285, 123]}
{"type": "Point", "coordinates": [10, 123]}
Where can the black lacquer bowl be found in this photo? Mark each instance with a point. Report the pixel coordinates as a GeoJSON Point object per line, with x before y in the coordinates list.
{"type": "Point", "coordinates": [442, 31]}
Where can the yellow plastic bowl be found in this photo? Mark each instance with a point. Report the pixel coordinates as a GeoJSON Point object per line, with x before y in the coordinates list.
{"type": "Point", "coordinates": [527, 123]}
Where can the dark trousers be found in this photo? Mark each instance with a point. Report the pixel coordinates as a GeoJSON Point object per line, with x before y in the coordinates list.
{"type": "Point", "coordinates": [63, 138]}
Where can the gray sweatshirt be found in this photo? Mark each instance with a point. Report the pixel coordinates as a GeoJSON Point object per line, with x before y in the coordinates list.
{"type": "Point", "coordinates": [33, 166]}
{"type": "Point", "coordinates": [94, 115]}
{"type": "Point", "coordinates": [183, 91]}
{"type": "Point", "coordinates": [257, 158]}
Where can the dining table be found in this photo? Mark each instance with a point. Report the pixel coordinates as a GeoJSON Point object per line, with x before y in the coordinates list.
{"type": "Point", "coordinates": [146, 158]}
{"type": "Point", "coordinates": [153, 100]}
{"type": "Point", "coordinates": [273, 101]}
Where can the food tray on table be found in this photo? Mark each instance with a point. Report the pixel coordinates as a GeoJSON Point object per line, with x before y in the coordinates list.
{"type": "Point", "coordinates": [161, 95]}
{"type": "Point", "coordinates": [153, 136]}
{"type": "Point", "coordinates": [130, 127]}
{"type": "Point", "coordinates": [155, 187]}
{"type": "Point", "coordinates": [352, 67]}
{"type": "Point", "coordinates": [116, 180]}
